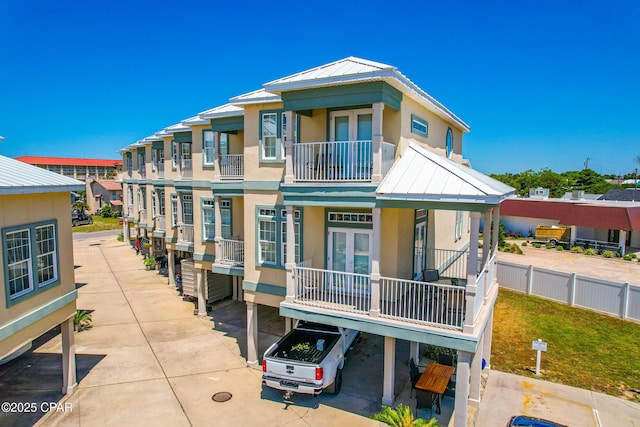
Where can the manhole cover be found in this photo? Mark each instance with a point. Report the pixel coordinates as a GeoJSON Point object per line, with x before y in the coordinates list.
{"type": "Point", "coordinates": [222, 396]}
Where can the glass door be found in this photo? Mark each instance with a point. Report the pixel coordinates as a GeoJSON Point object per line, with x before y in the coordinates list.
{"type": "Point", "coordinates": [349, 251]}
{"type": "Point", "coordinates": [352, 157]}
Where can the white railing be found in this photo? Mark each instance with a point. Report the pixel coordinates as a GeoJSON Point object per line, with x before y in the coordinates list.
{"type": "Point", "coordinates": [479, 298]}
{"type": "Point", "coordinates": [232, 166]}
{"type": "Point", "coordinates": [232, 252]}
{"type": "Point", "coordinates": [306, 263]}
{"type": "Point", "coordinates": [160, 169]}
{"type": "Point", "coordinates": [388, 157]}
{"type": "Point", "coordinates": [142, 215]}
{"type": "Point", "coordinates": [186, 170]}
{"type": "Point", "coordinates": [142, 171]}
{"type": "Point", "coordinates": [333, 290]}
{"type": "Point", "coordinates": [186, 233]}
{"type": "Point", "coordinates": [449, 263]}
{"type": "Point", "coordinates": [130, 210]}
{"type": "Point", "coordinates": [424, 303]}
{"type": "Point", "coordinates": [161, 224]}
{"type": "Point", "coordinates": [333, 161]}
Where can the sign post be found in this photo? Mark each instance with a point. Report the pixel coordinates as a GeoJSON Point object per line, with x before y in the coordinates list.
{"type": "Point", "coordinates": [539, 346]}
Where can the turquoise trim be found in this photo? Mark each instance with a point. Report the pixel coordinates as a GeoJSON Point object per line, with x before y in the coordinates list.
{"type": "Point", "coordinates": [381, 326]}
{"type": "Point", "coordinates": [344, 202]}
{"type": "Point", "coordinates": [227, 124]}
{"type": "Point", "coordinates": [184, 248]}
{"type": "Point", "coordinates": [182, 137]}
{"type": "Point", "coordinates": [36, 288]}
{"type": "Point", "coordinates": [182, 187]}
{"type": "Point", "coordinates": [337, 224]}
{"type": "Point", "coordinates": [418, 204]}
{"type": "Point", "coordinates": [159, 233]}
{"type": "Point", "coordinates": [330, 190]}
{"type": "Point", "coordinates": [342, 95]}
{"type": "Point", "coordinates": [229, 271]}
{"type": "Point", "coordinates": [171, 239]}
{"type": "Point", "coordinates": [23, 322]}
{"type": "Point", "coordinates": [261, 185]}
{"type": "Point", "coordinates": [160, 183]}
{"type": "Point", "coordinates": [420, 127]}
{"type": "Point", "coordinates": [157, 145]}
{"type": "Point", "coordinates": [279, 220]}
{"type": "Point", "coordinates": [228, 186]}
{"type": "Point", "coordinates": [204, 257]}
{"type": "Point", "coordinates": [264, 288]}
{"type": "Point", "coordinates": [449, 143]}
{"type": "Point", "coordinates": [140, 150]}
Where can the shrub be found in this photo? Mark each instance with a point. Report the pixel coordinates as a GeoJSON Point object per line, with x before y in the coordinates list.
{"type": "Point", "coordinates": [402, 417]}
{"type": "Point", "coordinates": [627, 258]}
{"type": "Point", "coordinates": [537, 245]}
{"type": "Point", "coordinates": [120, 237]}
{"type": "Point", "coordinates": [589, 252]}
{"type": "Point", "coordinates": [559, 248]}
{"type": "Point", "coordinates": [516, 249]}
{"type": "Point", "coordinates": [106, 211]}
{"type": "Point", "coordinates": [524, 243]}
{"type": "Point", "coordinates": [634, 256]}
{"type": "Point", "coordinates": [81, 320]}
{"type": "Point", "coordinates": [577, 250]}
{"type": "Point", "coordinates": [548, 245]}
{"type": "Point", "coordinates": [607, 254]}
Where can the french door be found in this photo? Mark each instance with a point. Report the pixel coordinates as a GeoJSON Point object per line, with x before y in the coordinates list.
{"type": "Point", "coordinates": [352, 153]}
{"type": "Point", "coordinates": [349, 251]}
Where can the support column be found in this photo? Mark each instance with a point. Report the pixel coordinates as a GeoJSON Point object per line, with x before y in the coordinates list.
{"type": "Point", "coordinates": [414, 351]}
{"type": "Point", "coordinates": [217, 212]}
{"type": "Point", "coordinates": [572, 236]}
{"type": "Point", "coordinates": [486, 341]}
{"type": "Point", "coordinates": [126, 231]}
{"type": "Point", "coordinates": [252, 334]}
{"type": "Point", "coordinates": [69, 384]}
{"type": "Point", "coordinates": [290, 264]}
{"type": "Point", "coordinates": [622, 241]}
{"type": "Point", "coordinates": [486, 242]}
{"type": "Point", "coordinates": [462, 389]}
{"type": "Point", "coordinates": [476, 377]}
{"type": "Point", "coordinates": [472, 271]}
{"type": "Point", "coordinates": [375, 262]}
{"type": "Point", "coordinates": [376, 173]}
{"type": "Point", "coordinates": [288, 324]}
{"type": "Point", "coordinates": [216, 156]}
{"type": "Point", "coordinates": [496, 227]}
{"type": "Point", "coordinates": [290, 118]}
{"type": "Point", "coordinates": [388, 392]}
{"type": "Point", "coordinates": [201, 276]}
{"type": "Point", "coordinates": [171, 266]}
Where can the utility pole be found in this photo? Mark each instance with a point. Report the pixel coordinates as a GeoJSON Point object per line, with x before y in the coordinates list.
{"type": "Point", "coordinates": [586, 163]}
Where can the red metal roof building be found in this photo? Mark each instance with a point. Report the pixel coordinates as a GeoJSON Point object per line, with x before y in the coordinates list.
{"type": "Point", "coordinates": [77, 168]}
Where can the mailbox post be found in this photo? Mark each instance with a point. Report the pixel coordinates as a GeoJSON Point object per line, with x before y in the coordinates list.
{"type": "Point", "coordinates": [539, 346]}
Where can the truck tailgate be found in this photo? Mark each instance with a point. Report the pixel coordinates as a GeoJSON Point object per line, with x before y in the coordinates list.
{"type": "Point", "coordinates": [288, 369]}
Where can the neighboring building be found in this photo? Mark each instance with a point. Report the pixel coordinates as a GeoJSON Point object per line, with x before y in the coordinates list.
{"type": "Point", "coordinates": [81, 169]}
{"type": "Point", "coordinates": [625, 195]}
{"type": "Point", "coordinates": [37, 278]}
{"type": "Point", "coordinates": [326, 194]}
{"type": "Point", "coordinates": [101, 192]}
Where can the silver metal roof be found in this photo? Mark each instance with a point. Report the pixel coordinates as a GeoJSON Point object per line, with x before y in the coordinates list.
{"type": "Point", "coordinates": [226, 110]}
{"type": "Point", "coordinates": [195, 120]}
{"type": "Point", "coordinates": [17, 177]}
{"type": "Point", "coordinates": [354, 70]}
{"type": "Point", "coordinates": [170, 130]}
{"type": "Point", "coordinates": [423, 175]}
{"type": "Point", "coordinates": [255, 97]}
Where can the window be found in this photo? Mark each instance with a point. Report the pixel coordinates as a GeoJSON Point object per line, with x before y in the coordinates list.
{"type": "Point", "coordinates": [31, 259]}
{"type": "Point", "coordinates": [283, 232]}
{"type": "Point", "coordinates": [142, 199]}
{"type": "Point", "coordinates": [154, 156]}
{"type": "Point", "coordinates": [351, 217]}
{"type": "Point", "coordinates": [174, 210]}
{"type": "Point", "coordinates": [267, 241]}
{"type": "Point", "coordinates": [225, 214]}
{"type": "Point", "coordinates": [208, 219]}
{"type": "Point", "coordinates": [208, 148]}
{"type": "Point", "coordinates": [174, 154]}
{"type": "Point", "coordinates": [187, 209]}
{"type": "Point", "coordinates": [141, 163]}
{"type": "Point", "coordinates": [161, 202]}
{"type": "Point", "coordinates": [272, 235]}
{"type": "Point", "coordinates": [419, 126]}
{"type": "Point", "coordinates": [458, 230]}
{"type": "Point", "coordinates": [449, 143]}
{"type": "Point", "coordinates": [419, 248]}
{"type": "Point", "coordinates": [272, 129]}
{"type": "Point", "coordinates": [114, 196]}
{"type": "Point", "coordinates": [153, 205]}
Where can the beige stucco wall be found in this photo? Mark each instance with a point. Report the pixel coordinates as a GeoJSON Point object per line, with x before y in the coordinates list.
{"type": "Point", "coordinates": [397, 243]}
{"type": "Point", "coordinates": [16, 210]}
{"type": "Point", "coordinates": [253, 168]}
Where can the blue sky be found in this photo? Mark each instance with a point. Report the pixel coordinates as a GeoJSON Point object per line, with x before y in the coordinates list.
{"type": "Point", "coordinates": [542, 84]}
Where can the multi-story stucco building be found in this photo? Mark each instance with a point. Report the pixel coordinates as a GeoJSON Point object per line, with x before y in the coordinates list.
{"type": "Point", "coordinates": [329, 194]}
{"type": "Point", "coordinates": [37, 278]}
{"type": "Point", "coordinates": [81, 169]}
{"type": "Point", "coordinates": [104, 192]}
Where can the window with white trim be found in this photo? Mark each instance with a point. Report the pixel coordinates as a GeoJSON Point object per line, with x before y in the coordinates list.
{"type": "Point", "coordinates": [208, 148]}
{"type": "Point", "coordinates": [174, 210]}
{"type": "Point", "coordinates": [153, 205]}
{"type": "Point", "coordinates": [187, 209]}
{"type": "Point", "coordinates": [225, 215]}
{"type": "Point", "coordinates": [419, 126]}
{"type": "Point", "coordinates": [458, 230]}
{"type": "Point", "coordinates": [208, 219]}
{"type": "Point", "coordinates": [174, 154]}
{"type": "Point", "coordinates": [269, 142]}
{"type": "Point", "coordinates": [154, 155]}
{"type": "Point", "coordinates": [267, 240]}
{"type": "Point", "coordinates": [419, 248]}
{"type": "Point", "coordinates": [161, 202]}
{"type": "Point", "coordinates": [46, 254]}
{"type": "Point", "coordinates": [449, 143]}
{"type": "Point", "coordinates": [18, 262]}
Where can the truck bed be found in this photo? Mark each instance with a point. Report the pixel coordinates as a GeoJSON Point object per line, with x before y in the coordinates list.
{"type": "Point", "coordinates": [310, 354]}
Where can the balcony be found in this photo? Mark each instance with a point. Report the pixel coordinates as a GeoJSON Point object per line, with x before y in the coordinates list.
{"type": "Point", "coordinates": [231, 252]}
{"type": "Point", "coordinates": [185, 234]}
{"type": "Point", "coordinates": [160, 170]}
{"type": "Point", "coordinates": [130, 211]}
{"type": "Point", "coordinates": [142, 171]}
{"type": "Point", "coordinates": [186, 169]}
{"type": "Point", "coordinates": [339, 161]}
{"type": "Point", "coordinates": [160, 223]}
{"type": "Point", "coordinates": [231, 166]}
{"type": "Point", "coordinates": [142, 215]}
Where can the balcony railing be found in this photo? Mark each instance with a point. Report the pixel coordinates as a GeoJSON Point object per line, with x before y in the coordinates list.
{"type": "Point", "coordinates": [142, 171]}
{"type": "Point", "coordinates": [449, 263]}
{"type": "Point", "coordinates": [186, 233]}
{"type": "Point", "coordinates": [142, 215]}
{"type": "Point", "coordinates": [232, 166]}
{"type": "Point", "coordinates": [161, 223]}
{"type": "Point", "coordinates": [338, 161]}
{"type": "Point", "coordinates": [130, 210]}
{"type": "Point", "coordinates": [429, 304]}
{"type": "Point", "coordinates": [231, 252]}
{"type": "Point", "coordinates": [186, 168]}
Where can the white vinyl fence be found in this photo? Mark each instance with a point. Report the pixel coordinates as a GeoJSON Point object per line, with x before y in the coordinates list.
{"type": "Point", "coordinates": [618, 299]}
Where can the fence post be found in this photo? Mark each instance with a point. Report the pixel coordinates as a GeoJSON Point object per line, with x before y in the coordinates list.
{"type": "Point", "coordinates": [572, 290]}
{"type": "Point", "coordinates": [625, 300]}
{"type": "Point", "coordinates": [530, 280]}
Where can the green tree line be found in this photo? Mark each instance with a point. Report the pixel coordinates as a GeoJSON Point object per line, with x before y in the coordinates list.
{"type": "Point", "coordinates": [557, 183]}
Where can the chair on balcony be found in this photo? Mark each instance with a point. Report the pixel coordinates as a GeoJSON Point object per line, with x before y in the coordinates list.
{"type": "Point", "coordinates": [430, 275]}
{"type": "Point", "coordinates": [447, 359]}
{"type": "Point", "coordinates": [414, 374]}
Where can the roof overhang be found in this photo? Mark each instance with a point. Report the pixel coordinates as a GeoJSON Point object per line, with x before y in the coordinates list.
{"type": "Point", "coordinates": [226, 110]}
{"type": "Point", "coordinates": [421, 175]}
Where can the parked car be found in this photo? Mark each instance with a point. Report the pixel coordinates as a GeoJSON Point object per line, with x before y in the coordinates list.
{"type": "Point", "coordinates": [80, 219]}
{"type": "Point", "coordinates": [524, 421]}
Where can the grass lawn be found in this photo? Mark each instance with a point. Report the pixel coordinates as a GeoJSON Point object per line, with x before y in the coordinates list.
{"type": "Point", "coordinates": [100, 224]}
{"type": "Point", "coordinates": [585, 349]}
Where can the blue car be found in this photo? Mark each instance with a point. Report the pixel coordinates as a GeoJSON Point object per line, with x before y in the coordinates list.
{"type": "Point", "coordinates": [522, 421]}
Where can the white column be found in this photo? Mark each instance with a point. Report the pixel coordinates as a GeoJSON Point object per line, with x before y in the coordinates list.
{"type": "Point", "coordinates": [375, 262]}
{"type": "Point", "coordinates": [622, 241]}
{"type": "Point", "coordinates": [290, 264]}
{"type": "Point", "coordinates": [201, 276]}
{"type": "Point", "coordinates": [388, 392]}
{"type": "Point", "coordinates": [495, 234]}
{"type": "Point", "coordinates": [290, 117]}
{"type": "Point", "coordinates": [486, 237]}
{"type": "Point", "coordinates": [476, 373]}
{"type": "Point", "coordinates": [414, 351]}
{"type": "Point", "coordinates": [288, 324]}
{"type": "Point", "coordinates": [217, 212]}
{"type": "Point", "coordinates": [462, 389]}
{"type": "Point", "coordinates": [69, 384]}
{"type": "Point", "coordinates": [252, 334]}
{"type": "Point", "coordinates": [216, 156]}
{"type": "Point", "coordinates": [572, 237]}
{"type": "Point", "coordinates": [376, 173]}
{"type": "Point", "coordinates": [472, 270]}
{"type": "Point", "coordinates": [126, 231]}
{"type": "Point", "coordinates": [171, 263]}
{"type": "Point", "coordinates": [486, 344]}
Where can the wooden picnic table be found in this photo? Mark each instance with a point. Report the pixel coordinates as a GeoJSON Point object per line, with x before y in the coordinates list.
{"type": "Point", "coordinates": [434, 381]}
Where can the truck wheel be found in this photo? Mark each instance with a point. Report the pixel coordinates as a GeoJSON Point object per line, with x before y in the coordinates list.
{"type": "Point", "coordinates": [75, 223]}
{"type": "Point", "coordinates": [337, 383]}
{"type": "Point", "coordinates": [553, 242]}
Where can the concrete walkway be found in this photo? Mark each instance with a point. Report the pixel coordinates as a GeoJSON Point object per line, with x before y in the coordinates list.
{"type": "Point", "coordinates": [149, 361]}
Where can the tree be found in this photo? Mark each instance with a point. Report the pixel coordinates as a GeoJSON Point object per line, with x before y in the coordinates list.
{"type": "Point", "coordinates": [80, 206]}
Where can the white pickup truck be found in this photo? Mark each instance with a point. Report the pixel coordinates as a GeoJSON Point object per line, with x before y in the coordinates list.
{"type": "Point", "coordinates": [309, 359]}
